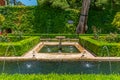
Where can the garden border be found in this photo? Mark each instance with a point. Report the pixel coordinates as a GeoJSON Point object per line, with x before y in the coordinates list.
{"type": "Point", "coordinates": [20, 46]}
{"type": "Point", "coordinates": [97, 46]}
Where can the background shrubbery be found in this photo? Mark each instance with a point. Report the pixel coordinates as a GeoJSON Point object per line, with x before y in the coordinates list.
{"type": "Point", "coordinates": [40, 19]}
{"type": "Point", "coordinates": [116, 21]}
{"type": "Point", "coordinates": [52, 16]}
{"type": "Point", "coordinates": [18, 18]}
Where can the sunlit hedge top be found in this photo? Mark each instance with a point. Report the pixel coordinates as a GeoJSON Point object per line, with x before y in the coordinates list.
{"type": "Point", "coordinates": [54, 3]}
{"type": "Point", "coordinates": [51, 16]}
{"type": "Point", "coordinates": [2, 18]}
{"type": "Point", "coordinates": [116, 21]}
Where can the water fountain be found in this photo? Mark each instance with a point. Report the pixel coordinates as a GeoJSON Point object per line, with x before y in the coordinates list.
{"type": "Point", "coordinates": [105, 48]}
{"type": "Point", "coordinates": [60, 44]}
{"type": "Point", "coordinates": [14, 51]}
{"type": "Point", "coordinates": [59, 47]}
{"type": "Point", "coordinates": [35, 63]}
{"type": "Point", "coordinates": [71, 67]}
{"type": "Point", "coordinates": [68, 67]}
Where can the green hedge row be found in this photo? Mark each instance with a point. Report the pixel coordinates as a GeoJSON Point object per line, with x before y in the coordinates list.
{"type": "Point", "coordinates": [18, 16]}
{"type": "Point", "coordinates": [100, 48]}
{"type": "Point", "coordinates": [59, 77]}
{"type": "Point", "coordinates": [40, 19]}
{"type": "Point", "coordinates": [54, 35]}
{"type": "Point", "coordinates": [54, 20]}
{"type": "Point", "coordinates": [18, 48]}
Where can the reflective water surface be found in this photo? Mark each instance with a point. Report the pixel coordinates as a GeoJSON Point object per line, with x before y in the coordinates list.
{"type": "Point", "coordinates": [45, 67]}
{"type": "Point", "coordinates": [55, 49]}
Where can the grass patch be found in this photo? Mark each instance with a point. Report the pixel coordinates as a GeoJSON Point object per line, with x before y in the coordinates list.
{"type": "Point", "coordinates": [60, 77]}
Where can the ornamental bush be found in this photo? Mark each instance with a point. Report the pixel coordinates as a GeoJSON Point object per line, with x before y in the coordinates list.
{"type": "Point", "coordinates": [100, 48]}
{"type": "Point", "coordinates": [18, 48]}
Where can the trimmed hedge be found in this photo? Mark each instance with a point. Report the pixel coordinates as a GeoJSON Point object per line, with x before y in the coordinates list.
{"type": "Point", "coordinates": [40, 19]}
{"type": "Point", "coordinates": [54, 35]}
{"type": "Point", "coordinates": [18, 48]}
{"type": "Point", "coordinates": [54, 20]}
{"type": "Point", "coordinates": [18, 16]}
{"type": "Point", "coordinates": [100, 48]}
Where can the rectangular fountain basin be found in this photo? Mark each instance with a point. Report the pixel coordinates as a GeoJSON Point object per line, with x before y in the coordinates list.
{"type": "Point", "coordinates": [55, 49]}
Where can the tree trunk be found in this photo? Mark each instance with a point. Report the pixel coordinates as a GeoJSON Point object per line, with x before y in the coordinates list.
{"type": "Point", "coordinates": [82, 25]}
{"type": "Point", "coordinates": [7, 2]}
{"type": "Point", "coordinates": [14, 2]}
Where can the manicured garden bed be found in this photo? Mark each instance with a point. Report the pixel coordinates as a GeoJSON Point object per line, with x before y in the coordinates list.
{"type": "Point", "coordinates": [60, 77]}
{"type": "Point", "coordinates": [18, 48]}
{"type": "Point", "coordinates": [100, 47]}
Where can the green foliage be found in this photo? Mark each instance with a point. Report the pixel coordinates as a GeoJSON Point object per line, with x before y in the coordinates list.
{"type": "Point", "coordinates": [54, 3]}
{"type": "Point", "coordinates": [116, 20]}
{"type": "Point", "coordinates": [20, 46]}
{"type": "Point", "coordinates": [102, 16]}
{"type": "Point", "coordinates": [75, 3]}
{"type": "Point", "coordinates": [55, 20]}
{"type": "Point", "coordinates": [102, 19]}
{"type": "Point", "coordinates": [60, 77]}
{"type": "Point", "coordinates": [112, 37]}
{"type": "Point", "coordinates": [54, 35]}
{"type": "Point", "coordinates": [51, 16]}
{"type": "Point", "coordinates": [97, 46]}
{"type": "Point", "coordinates": [2, 18]}
{"type": "Point", "coordinates": [40, 19]}
{"type": "Point", "coordinates": [96, 32]}
{"type": "Point", "coordinates": [18, 18]}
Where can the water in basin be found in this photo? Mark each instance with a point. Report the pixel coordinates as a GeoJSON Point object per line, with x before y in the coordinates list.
{"type": "Point", "coordinates": [55, 49]}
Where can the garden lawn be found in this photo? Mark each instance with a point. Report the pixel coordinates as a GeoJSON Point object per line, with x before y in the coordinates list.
{"type": "Point", "coordinates": [59, 77]}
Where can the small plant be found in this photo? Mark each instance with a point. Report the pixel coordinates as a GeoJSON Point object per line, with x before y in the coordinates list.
{"type": "Point", "coordinates": [4, 37]}
{"type": "Point", "coordinates": [18, 35]}
{"type": "Point", "coordinates": [112, 37]}
{"type": "Point", "coordinates": [96, 32]}
{"type": "Point", "coordinates": [2, 18]}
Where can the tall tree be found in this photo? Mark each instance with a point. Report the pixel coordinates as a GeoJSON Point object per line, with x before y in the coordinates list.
{"type": "Point", "coordinates": [82, 25]}
{"type": "Point", "coordinates": [8, 2]}
{"type": "Point", "coordinates": [11, 2]}
{"type": "Point", "coordinates": [14, 2]}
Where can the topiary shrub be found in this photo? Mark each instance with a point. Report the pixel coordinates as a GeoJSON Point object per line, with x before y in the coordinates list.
{"type": "Point", "coordinates": [100, 48]}
{"type": "Point", "coordinates": [18, 48]}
